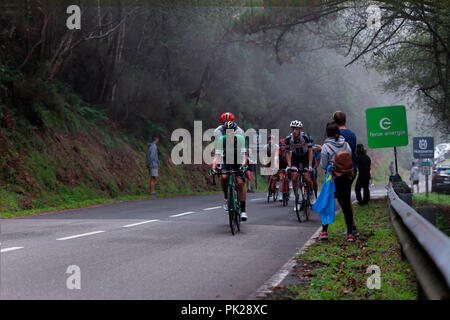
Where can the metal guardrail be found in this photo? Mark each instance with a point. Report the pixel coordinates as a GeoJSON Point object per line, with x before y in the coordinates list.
{"type": "Point", "coordinates": [426, 248]}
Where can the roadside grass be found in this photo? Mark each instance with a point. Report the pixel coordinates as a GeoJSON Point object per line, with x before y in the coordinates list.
{"type": "Point", "coordinates": [442, 204]}
{"type": "Point", "coordinates": [336, 270]}
{"type": "Point", "coordinates": [435, 198]}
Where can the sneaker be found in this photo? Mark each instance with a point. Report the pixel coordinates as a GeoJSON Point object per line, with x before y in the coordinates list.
{"type": "Point", "coordinates": [354, 232]}
{"type": "Point", "coordinates": [250, 191]}
{"type": "Point", "coordinates": [244, 216]}
{"type": "Point", "coordinates": [350, 238]}
{"type": "Point", "coordinates": [323, 235]}
{"type": "Point", "coordinates": [225, 205]}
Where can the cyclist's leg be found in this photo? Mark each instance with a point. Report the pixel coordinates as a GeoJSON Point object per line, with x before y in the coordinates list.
{"type": "Point", "coordinates": [308, 180]}
{"type": "Point", "coordinates": [306, 175]}
{"type": "Point", "coordinates": [281, 179]}
{"type": "Point", "coordinates": [315, 186]}
{"type": "Point", "coordinates": [295, 162]}
{"type": "Point", "coordinates": [240, 182]}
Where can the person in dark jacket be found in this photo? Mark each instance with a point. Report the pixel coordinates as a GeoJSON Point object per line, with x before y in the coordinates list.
{"type": "Point", "coordinates": [152, 163]}
{"type": "Point", "coordinates": [348, 135]}
{"type": "Point", "coordinates": [362, 182]}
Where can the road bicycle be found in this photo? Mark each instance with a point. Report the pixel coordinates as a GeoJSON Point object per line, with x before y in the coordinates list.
{"type": "Point", "coordinates": [272, 186]}
{"type": "Point", "coordinates": [284, 181]}
{"type": "Point", "coordinates": [302, 204]}
{"type": "Point", "coordinates": [234, 208]}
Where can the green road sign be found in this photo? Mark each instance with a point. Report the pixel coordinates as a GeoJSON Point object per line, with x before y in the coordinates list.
{"type": "Point", "coordinates": [386, 127]}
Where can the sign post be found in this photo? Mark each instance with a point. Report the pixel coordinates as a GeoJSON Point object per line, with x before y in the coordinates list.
{"type": "Point", "coordinates": [423, 148]}
{"type": "Point", "coordinates": [387, 127]}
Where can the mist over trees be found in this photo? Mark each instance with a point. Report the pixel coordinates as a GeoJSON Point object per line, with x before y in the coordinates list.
{"type": "Point", "coordinates": [153, 69]}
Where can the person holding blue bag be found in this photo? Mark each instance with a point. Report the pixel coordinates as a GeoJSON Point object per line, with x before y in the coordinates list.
{"type": "Point", "coordinates": [325, 203]}
{"type": "Point", "coordinates": [336, 158]}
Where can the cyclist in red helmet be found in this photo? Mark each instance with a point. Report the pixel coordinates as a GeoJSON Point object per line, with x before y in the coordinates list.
{"type": "Point", "coordinates": [220, 130]}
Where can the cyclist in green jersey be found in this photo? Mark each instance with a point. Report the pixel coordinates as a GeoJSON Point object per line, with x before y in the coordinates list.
{"type": "Point", "coordinates": [231, 154]}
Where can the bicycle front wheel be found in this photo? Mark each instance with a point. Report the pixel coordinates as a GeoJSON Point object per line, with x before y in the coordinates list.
{"type": "Point", "coordinates": [232, 210]}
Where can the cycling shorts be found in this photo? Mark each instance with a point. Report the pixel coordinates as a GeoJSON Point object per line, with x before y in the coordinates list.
{"type": "Point", "coordinates": [296, 160]}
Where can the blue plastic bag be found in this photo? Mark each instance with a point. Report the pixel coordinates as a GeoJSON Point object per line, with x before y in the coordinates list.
{"type": "Point", "coordinates": [325, 202]}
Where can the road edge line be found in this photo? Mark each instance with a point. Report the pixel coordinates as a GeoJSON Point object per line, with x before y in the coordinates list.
{"type": "Point", "coordinates": [282, 273]}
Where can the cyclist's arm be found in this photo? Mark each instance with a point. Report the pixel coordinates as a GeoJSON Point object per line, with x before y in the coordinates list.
{"type": "Point", "coordinates": [310, 155]}
{"type": "Point", "coordinates": [216, 161]}
{"type": "Point", "coordinates": [316, 164]}
{"type": "Point", "coordinates": [218, 153]}
{"type": "Point", "coordinates": [288, 157]}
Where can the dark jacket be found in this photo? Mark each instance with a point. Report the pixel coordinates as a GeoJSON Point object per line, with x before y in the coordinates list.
{"type": "Point", "coordinates": [350, 137]}
{"type": "Point", "coordinates": [364, 163]}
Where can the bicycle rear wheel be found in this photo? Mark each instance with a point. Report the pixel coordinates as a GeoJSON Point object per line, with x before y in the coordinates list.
{"type": "Point", "coordinates": [297, 205]}
{"type": "Point", "coordinates": [275, 196]}
{"type": "Point", "coordinates": [232, 210]}
{"type": "Point", "coordinates": [306, 203]}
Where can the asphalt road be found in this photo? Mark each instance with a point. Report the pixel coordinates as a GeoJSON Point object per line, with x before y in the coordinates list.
{"type": "Point", "coordinates": [185, 250]}
{"type": "Point", "coordinates": [172, 248]}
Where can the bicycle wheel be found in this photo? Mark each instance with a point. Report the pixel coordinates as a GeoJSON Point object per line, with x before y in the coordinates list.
{"type": "Point", "coordinates": [275, 195]}
{"type": "Point", "coordinates": [297, 205]}
{"type": "Point", "coordinates": [232, 210]}
{"type": "Point", "coordinates": [269, 188]}
{"type": "Point", "coordinates": [237, 212]}
{"type": "Point", "coordinates": [308, 204]}
{"type": "Point", "coordinates": [305, 203]}
{"type": "Point", "coordinates": [286, 192]}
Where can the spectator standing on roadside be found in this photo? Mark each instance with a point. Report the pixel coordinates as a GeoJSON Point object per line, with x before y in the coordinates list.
{"type": "Point", "coordinates": [362, 182]}
{"type": "Point", "coordinates": [392, 168]}
{"type": "Point", "coordinates": [414, 177]}
{"type": "Point", "coordinates": [340, 118]}
{"type": "Point", "coordinates": [334, 143]}
{"type": "Point", "coordinates": [152, 163]}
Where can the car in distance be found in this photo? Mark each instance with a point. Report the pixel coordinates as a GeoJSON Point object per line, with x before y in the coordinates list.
{"type": "Point", "coordinates": [440, 180]}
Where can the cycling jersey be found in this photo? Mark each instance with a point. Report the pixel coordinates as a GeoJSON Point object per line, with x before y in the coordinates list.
{"type": "Point", "coordinates": [239, 148]}
{"type": "Point", "coordinates": [220, 131]}
{"type": "Point", "coordinates": [300, 146]}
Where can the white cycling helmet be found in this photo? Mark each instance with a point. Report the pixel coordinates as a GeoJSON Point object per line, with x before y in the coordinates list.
{"type": "Point", "coordinates": [296, 124]}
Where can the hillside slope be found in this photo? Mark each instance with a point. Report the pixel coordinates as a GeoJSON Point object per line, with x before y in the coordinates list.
{"type": "Point", "coordinates": [58, 151]}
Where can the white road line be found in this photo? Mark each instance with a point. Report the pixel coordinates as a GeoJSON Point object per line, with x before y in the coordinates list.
{"type": "Point", "coordinates": [139, 223]}
{"type": "Point", "coordinates": [181, 214]}
{"type": "Point", "coordinates": [80, 235]}
{"type": "Point", "coordinates": [257, 199]}
{"type": "Point", "coordinates": [206, 209]}
{"type": "Point", "coordinates": [11, 249]}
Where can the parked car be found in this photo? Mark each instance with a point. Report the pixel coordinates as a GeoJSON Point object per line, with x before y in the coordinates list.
{"type": "Point", "coordinates": [440, 180]}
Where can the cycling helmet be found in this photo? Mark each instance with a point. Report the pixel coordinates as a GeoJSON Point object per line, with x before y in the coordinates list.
{"type": "Point", "coordinates": [226, 116]}
{"type": "Point", "coordinates": [230, 125]}
{"type": "Point", "coordinates": [296, 124]}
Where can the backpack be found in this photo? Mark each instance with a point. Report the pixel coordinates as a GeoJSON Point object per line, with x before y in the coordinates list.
{"type": "Point", "coordinates": [343, 165]}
